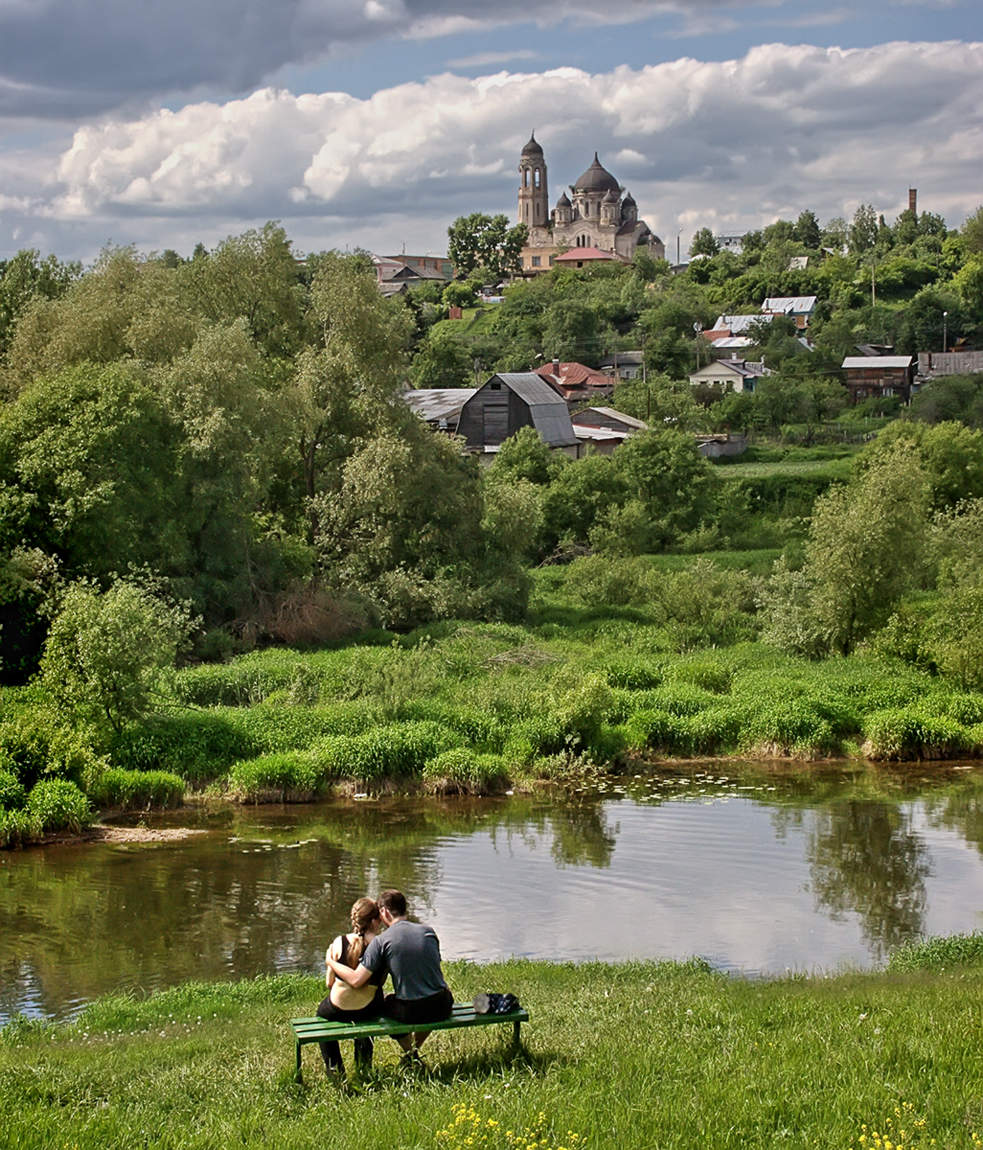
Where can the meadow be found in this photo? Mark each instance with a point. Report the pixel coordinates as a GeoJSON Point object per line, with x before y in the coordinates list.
{"type": "Point", "coordinates": [659, 1055]}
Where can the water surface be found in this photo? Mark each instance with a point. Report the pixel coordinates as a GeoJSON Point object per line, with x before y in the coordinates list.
{"type": "Point", "coordinates": [759, 871]}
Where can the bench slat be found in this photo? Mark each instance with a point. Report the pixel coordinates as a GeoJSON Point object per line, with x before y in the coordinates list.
{"type": "Point", "coordinates": [321, 1029]}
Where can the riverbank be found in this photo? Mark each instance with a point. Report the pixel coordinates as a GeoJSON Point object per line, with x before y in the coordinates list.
{"type": "Point", "coordinates": [639, 1054]}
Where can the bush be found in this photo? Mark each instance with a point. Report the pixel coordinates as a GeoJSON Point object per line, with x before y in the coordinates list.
{"type": "Point", "coordinates": [910, 733]}
{"type": "Point", "coordinates": [18, 828]}
{"type": "Point", "coordinates": [938, 953]}
{"type": "Point", "coordinates": [461, 771]}
{"type": "Point", "coordinates": [634, 674]}
{"type": "Point", "coordinates": [59, 805]}
{"type": "Point", "coordinates": [129, 790]}
{"type": "Point", "coordinates": [290, 777]}
{"type": "Point", "coordinates": [198, 746]}
{"type": "Point", "coordinates": [701, 733]}
{"type": "Point", "coordinates": [12, 791]}
{"type": "Point", "coordinates": [798, 727]}
{"type": "Point", "coordinates": [37, 745]}
{"type": "Point", "coordinates": [392, 751]}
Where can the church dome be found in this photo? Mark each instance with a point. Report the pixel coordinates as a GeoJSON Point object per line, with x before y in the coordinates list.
{"type": "Point", "coordinates": [610, 196]}
{"type": "Point", "coordinates": [532, 148]}
{"type": "Point", "coordinates": [597, 179]}
{"type": "Point", "coordinates": [629, 199]}
{"type": "Point", "coordinates": [563, 201]}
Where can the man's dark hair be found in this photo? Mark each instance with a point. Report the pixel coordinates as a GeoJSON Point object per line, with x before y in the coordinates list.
{"type": "Point", "coordinates": [394, 901]}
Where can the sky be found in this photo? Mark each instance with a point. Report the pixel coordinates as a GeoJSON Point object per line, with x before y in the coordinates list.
{"type": "Point", "coordinates": [375, 123]}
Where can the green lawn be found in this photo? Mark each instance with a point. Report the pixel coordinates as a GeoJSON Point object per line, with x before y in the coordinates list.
{"type": "Point", "coordinates": [639, 1055]}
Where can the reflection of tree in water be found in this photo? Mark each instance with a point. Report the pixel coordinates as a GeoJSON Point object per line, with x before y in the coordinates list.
{"type": "Point", "coordinates": [580, 833]}
{"type": "Point", "coordinates": [961, 812]}
{"type": "Point", "coordinates": [866, 858]}
{"type": "Point", "coordinates": [582, 836]}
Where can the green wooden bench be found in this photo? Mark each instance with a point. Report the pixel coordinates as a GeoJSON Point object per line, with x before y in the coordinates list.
{"type": "Point", "coordinates": [308, 1030]}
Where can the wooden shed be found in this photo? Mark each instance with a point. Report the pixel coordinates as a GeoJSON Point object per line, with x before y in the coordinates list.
{"type": "Point", "coordinates": [510, 401]}
{"type": "Point", "coordinates": [868, 376]}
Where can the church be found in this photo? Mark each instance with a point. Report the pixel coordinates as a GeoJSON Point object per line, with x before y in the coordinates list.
{"type": "Point", "coordinates": [601, 218]}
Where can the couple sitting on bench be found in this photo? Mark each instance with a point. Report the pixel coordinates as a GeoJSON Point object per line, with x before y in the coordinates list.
{"type": "Point", "coordinates": [383, 942]}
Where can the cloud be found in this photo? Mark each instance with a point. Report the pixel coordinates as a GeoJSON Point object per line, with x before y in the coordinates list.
{"type": "Point", "coordinates": [729, 144]}
{"type": "Point", "coordinates": [488, 59]}
{"type": "Point", "coordinates": [78, 58]}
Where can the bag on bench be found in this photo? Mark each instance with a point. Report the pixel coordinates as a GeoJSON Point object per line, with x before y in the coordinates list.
{"type": "Point", "coordinates": [491, 1003]}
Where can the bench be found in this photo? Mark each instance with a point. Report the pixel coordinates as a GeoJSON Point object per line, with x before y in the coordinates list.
{"type": "Point", "coordinates": [308, 1030]}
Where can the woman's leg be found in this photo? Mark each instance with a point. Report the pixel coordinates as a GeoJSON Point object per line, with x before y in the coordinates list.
{"type": "Point", "coordinates": [331, 1050]}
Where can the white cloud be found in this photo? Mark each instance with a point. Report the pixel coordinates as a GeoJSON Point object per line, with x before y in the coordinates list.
{"type": "Point", "coordinates": [739, 141]}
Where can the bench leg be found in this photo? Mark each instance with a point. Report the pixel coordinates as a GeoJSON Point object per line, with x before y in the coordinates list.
{"type": "Point", "coordinates": [515, 1034]}
{"type": "Point", "coordinates": [298, 1075]}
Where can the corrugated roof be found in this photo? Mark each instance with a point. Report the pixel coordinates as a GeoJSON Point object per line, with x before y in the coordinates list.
{"type": "Point", "coordinates": [599, 434]}
{"type": "Point", "coordinates": [736, 324]}
{"type": "Point", "coordinates": [798, 304]}
{"type": "Point", "coordinates": [436, 403]}
{"type": "Point", "coordinates": [877, 361]}
{"type": "Point", "coordinates": [547, 410]}
{"type": "Point", "coordinates": [611, 413]}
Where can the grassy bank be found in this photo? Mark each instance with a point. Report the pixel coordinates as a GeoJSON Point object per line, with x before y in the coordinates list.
{"type": "Point", "coordinates": [639, 1054]}
{"type": "Point", "coordinates": [622, 662]}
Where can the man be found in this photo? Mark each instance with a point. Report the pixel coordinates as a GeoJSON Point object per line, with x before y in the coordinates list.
{"type": "Point", "coordinates": [410, 953]}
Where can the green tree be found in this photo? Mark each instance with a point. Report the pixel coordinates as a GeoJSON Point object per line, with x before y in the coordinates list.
{"type": "Point", "coordinates": [665, 472]}
{"type": "Point", "coordinates": [524, 455]}
{"type": "Point", "coordinates": [865, 548]}
{"type": "Point", "coordinates": [442, 360]}
{"type": "Point", "coordinates": [704, 243]}
{"type": "Point", "coordinates": [485, 243]}
{"type": "Point", "coordinates": [108, 652]}
{"type": "Point", "coordinates": [25, 277]}
{"type": "Point", "coordinates": [863, 230]}
{"type": "Point", "coordinates": [972, 231]}
{"type": "Point", "coordinates": [807, 230]}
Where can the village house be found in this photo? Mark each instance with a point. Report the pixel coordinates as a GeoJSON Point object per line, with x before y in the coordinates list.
{"type": "Point", "coordinates": [624, 365]}
{"type": "Point", "coordinates": [874, 376]}
{"type": "Point", "coordinates": [730, 374]}
{"type": "Point", "coordinates": [576, 382]}
{"type": "Point", "coordinates": [394, 274]}
{"type": "Point", "coordinates": [510, 401]}
{"type": "Point", "coordinates": [798, 308]}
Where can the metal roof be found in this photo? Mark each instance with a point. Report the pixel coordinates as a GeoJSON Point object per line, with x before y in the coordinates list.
{"type": "Point", "coordinates": [877, 361]}
{"type": "Point", "coordinates": [599, 434]}
{"type": "Point", "coordinates": [597, 179]}
{"type": "Point", "coordinates": [790, 304]}
{"type": "Point", "coordinates": [548, 412]}
{"type": "Point", "coordinates": [436, 403]}
{"type": "Point", "coordinates": [736, 324]}
{"type": "Point", "coordinates": [611, 413]}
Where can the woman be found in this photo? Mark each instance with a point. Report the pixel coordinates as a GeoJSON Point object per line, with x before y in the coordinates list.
{"type": "Point", "coordinates": [345, 1004]}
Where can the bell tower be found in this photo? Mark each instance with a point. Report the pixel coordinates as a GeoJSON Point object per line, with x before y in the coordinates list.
{"type": "Point", "coordinates": [533, 191]}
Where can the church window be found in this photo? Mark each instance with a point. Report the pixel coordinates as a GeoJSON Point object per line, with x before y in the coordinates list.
{"type": "Point", "coordinates": [535, 178]}
{"type": "Point", "coordinates": [525, 177]}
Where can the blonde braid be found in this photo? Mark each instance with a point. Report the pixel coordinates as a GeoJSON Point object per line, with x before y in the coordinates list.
{"type": "Point", "coordinates": [364, 913]}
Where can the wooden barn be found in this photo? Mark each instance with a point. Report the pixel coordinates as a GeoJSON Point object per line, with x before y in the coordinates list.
{"type": "Point", "coordinates": [510, 401]}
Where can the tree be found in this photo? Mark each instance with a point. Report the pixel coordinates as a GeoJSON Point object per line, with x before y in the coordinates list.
{"type": "Point", "coordinates": [704, 243]}
{"type": "Point", "coordinates": [865, 548]}
{"type": "Point", "coordinates": [486, 243]}
{"type": "Point", "coordinates": [972, 231]}
{"type": "Point", "coordinates": [442, 360]}
{"type": "Point", "coordinates": [863, 230]}
{"type": "Point", "coordinates": [807, 231]}
{"type": "Point", "coordinates": [524, 455]}
{"type": "Point", "coordinates": [674, 483]}
{"type": "Point", "coordinates": [24, 278]}
{"type": "Point", "coordinates": [108, 652]}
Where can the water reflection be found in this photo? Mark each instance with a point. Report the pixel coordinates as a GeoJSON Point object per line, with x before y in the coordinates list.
{"type": "Point", "coordinates": [756, 872]}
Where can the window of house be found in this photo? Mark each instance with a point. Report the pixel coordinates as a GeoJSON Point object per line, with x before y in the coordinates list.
{"type": "Point", "coordinates": [535, 261]}
{"type": "Point", "coordinates": [495, 386]}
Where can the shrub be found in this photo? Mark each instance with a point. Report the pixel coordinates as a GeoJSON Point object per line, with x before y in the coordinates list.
{"type": "Point", "coordinates": [197, 745]}
{"type": "Point", "coordinates": [479, 728]}
{"type": "Point", "coordinates": [289, 777]}
{"type": "Point", "coordinates": [12, 791]}
{"type": "Point", "coordinates": [18, 828]}
{"type": "Point", "coordinates": [128, 790]}
{"type": "Point", "coordinates": [705, 732]}
{"type": "Point", "coordinates": [634, 674]}
{"type": "Point", "coordinates": [680, 698]}
{"type": "Point", "coordinates": [391, 751]}
{"type": "Point", "coordinates": [461, 771]}
{"type": "Point", "coordinates": [539, 735]}
{"type": "Point", "coordinates": [799, 727]}
{"type": "Point", "coordinates": [938, 953]}
{"type": "Point", "coordinates": [703, 671]}
{"type": "Point", "coordinates": [37, 745]}
{"type": "Point", "coordinates": [59, 805]}
{"type": "Point", "coordinates": [909, 733]}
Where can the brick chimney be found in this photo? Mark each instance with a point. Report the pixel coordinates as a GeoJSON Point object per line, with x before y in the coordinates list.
{"type": "Point", "coordinates": [913, 200]}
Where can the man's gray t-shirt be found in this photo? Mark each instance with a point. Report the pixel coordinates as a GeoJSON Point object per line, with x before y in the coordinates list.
{"type": "Point", "coordinates": [410, 952]}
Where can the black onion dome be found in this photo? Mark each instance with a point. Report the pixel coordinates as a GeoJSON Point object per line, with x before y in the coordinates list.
{"type": "Point", "coordinates": [563, 201]}
{"type": "Point", "coordinates": [532, 148]}
{"type": "Point", "coordinates": [629, 198]}
{"type": "Point", "coordinates": [597, 179]}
